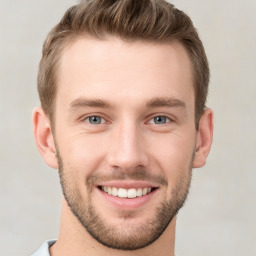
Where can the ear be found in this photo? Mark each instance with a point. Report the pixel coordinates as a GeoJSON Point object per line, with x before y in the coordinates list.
{"type": "Point", "coordinates": [204, 138]}
{"type": "Point", "coordinates": [44, 137]}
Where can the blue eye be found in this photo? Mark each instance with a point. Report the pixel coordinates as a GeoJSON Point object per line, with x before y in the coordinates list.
{"type": "Point", "coordinates": [95, 120]}
{"type": "Point", "coordinates": [160, 120]}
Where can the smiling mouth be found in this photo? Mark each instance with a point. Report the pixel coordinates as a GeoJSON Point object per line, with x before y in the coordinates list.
{"type": "Point", "coordinates": [127, 193]}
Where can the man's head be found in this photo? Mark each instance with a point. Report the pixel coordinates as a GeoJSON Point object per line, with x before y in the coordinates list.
{"type": "Point", "coordinates": [154, 21]}
{"type": "Point", "coordinates": [124, 83]}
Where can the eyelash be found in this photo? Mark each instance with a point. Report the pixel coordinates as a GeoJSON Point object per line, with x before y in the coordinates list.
{"type": "Point", "coordinates": [89, 117]}
{"type": "Point", "coordinates": [153, 120]}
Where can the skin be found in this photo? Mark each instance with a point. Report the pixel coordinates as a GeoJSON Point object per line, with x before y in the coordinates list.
{"type": "Point", "coordinates": [131, 79]}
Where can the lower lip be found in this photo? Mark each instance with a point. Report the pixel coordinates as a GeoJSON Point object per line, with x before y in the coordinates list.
{"type": "Point", "coordinates": [127, 203]}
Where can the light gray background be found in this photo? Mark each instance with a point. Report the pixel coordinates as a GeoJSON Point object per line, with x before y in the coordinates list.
{"type": "Point", "coordinates": [219, 217]}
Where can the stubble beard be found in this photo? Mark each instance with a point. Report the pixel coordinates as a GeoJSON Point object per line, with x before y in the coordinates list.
{"type": "Point", "coordinates": [117, 237]}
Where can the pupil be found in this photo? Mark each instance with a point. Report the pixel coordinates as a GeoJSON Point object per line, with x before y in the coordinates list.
{"type": "Point", "coordinates": [160, 120]}
{"type": "Point", "coordinates": [95, 120]}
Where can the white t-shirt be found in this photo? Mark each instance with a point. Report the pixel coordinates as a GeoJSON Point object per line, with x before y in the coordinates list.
{"type": "Point", "coordinates": [44, 249]}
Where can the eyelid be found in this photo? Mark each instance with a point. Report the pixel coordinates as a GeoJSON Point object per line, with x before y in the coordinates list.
{"type": "Point", "coordinates": [151, 121]}
{"type": "Point", "coordinates": [168, 117]}
{"type": "Point", "coordinates": [84, 117]}
{"type": "Point", "coordinates": [102, 119]}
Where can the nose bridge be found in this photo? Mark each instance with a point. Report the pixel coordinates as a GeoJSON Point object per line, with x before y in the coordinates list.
{"type": "Point", "coordinates": [127, 151]}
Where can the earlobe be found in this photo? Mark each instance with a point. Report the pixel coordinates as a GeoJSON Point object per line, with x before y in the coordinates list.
{"type": "Point", "coordinates": [204, 139]}
{"type": "Point", "coordinates": [44, 137]}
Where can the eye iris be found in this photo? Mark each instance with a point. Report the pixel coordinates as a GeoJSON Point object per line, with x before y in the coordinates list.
{"type": "Point", "coordinates": [95, 119]}
{"type": "Point", "coordinates": [160, 119]}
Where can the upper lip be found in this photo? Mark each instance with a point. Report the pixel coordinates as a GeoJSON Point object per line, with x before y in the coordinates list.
{"type": "Point", "coordinates": [127, 184]}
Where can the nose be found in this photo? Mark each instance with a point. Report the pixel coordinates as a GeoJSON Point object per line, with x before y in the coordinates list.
{"type": "Point", "coordinates": [128, 149]}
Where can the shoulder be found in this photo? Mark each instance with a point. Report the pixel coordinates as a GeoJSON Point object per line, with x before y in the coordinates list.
{"type": "Point", "coordinates": [44, 249]}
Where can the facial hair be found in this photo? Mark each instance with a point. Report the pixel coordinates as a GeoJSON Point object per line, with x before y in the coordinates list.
{"type": "Point", "coordinates": [117, 237]}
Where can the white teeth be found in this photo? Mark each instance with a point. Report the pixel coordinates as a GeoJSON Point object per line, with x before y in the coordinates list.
{"type": "Point", "coordinates": [139, 192]}
{"type": "Point", "coordinates": [122, 192]}
{"type": "Point", "coordinates": [131, 193]}
{"type": "Point", "coordinates": [126, 193]}
{"type": "Point", "coordinates": [114, 191]}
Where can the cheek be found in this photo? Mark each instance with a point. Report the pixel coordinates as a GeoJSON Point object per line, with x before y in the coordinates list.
{"type": "Point", "coordinates": [172, 155]}
{"type": "Point", "coordinates": [82, 153]}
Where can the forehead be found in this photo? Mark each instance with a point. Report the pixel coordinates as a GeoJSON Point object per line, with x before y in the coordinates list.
{"type": "Point", "coordinates": [113, 69]}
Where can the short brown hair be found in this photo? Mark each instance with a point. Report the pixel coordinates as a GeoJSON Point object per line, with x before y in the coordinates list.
{"type": "Point", "coordinates": [146, 20]}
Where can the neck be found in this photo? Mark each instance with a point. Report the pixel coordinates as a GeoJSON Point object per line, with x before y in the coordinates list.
{"type": "Point", "coordinates": [75, 240]}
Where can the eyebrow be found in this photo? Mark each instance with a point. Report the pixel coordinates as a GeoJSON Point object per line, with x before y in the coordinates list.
{"type": "Point", "coordinates": [152, 103]}
{"type": "Point", "coordinates": [165, 102]}
{"type": "Point", "coordinates": [83, 102]}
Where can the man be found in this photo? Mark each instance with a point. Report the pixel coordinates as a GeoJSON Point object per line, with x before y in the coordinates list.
{"type": "Point", "coordinates": [123, 86]}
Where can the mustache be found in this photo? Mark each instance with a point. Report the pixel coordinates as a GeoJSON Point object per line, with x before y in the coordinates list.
{"type": "Point", "coordinates": [137, 174]}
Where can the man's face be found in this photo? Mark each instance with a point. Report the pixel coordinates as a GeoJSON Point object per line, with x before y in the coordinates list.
{"type": "Point", "coordinates": [125, 137]}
